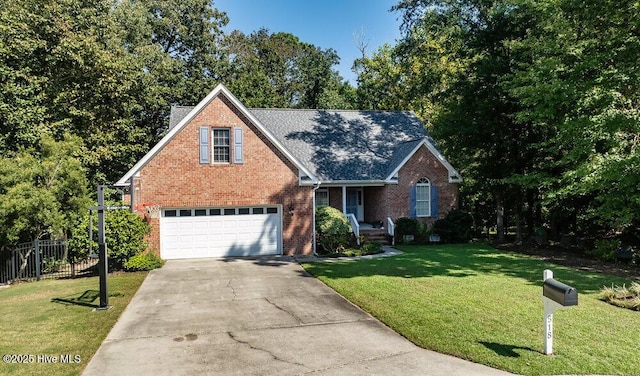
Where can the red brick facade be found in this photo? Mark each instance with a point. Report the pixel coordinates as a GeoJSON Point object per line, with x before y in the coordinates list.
{"type": "Point", "coordinates": [174, 178]}
{"type": "Point", "coordinates": [393, 200]}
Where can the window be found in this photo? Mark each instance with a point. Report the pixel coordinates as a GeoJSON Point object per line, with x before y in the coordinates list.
{"type": "Point", "coordinates": [322, 197]}
{"type": "Point", "coordinates": [170, 213]}
{"type": "Point", "coordinates": [423, 198]}
{"type": "Point", "coordinates": [200, 212]}
{"type": "Point", "coordinates": [272, 210]}
{"type": "Point", "coordinates": [221, 145]}
{"type": "Point", "coordinates": [243, 211]}
{"type": "Point", "coordinates": [185, 213]}
{"type": "Point", "coordinates": [215, 212]}
{"type": "Point", "coordinates": [258, 210]}
{"type": "Point", "coordinates": [229, 211]}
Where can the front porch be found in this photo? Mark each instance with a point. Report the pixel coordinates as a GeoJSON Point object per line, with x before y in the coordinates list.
{"type": "Point", "coordinates": [365, 206]}
{"type": "Point", "coordinates": [366, 203]}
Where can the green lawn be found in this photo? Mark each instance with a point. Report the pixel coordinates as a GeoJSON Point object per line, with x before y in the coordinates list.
{"type": "Point", "coordinates": [34, 324]}
{"type": "Point", "coordinates": [485, 305]}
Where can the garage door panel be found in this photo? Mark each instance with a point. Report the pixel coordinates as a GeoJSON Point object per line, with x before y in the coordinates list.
{"type": "Point", "coordinates": [220, 236]}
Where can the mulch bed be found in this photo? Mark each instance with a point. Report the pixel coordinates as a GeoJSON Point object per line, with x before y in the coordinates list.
{"type": "Point", "coordinates": [572, 258]}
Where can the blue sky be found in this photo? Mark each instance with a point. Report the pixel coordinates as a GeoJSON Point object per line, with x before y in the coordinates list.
{"type": "Point", "coordinates": [323, 23]}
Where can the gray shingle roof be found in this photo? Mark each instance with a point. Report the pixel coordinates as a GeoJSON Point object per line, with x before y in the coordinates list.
{"type": "Point", "coordinates": [341, 145]}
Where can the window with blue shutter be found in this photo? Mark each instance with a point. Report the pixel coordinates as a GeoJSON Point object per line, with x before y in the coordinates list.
{"type": "Point", "coordinates": [237, 145]}
{"type": "Point", "coordinates": [412, 201]}
{"type": "Point", "coordinates": [423, 198]}
{"type": "Point", "coordinates": [434, 201]}
{"type": "Point", "coordinates": [205, 155]}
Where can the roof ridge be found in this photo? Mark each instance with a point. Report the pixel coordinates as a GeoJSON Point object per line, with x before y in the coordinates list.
{"type": "Point", "coordinates": [324, 109]}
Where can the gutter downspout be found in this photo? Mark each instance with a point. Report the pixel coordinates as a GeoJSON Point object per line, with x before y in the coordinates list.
{"type": "Point", "coordinates": [132, 190]}
{"type": "Point", "coordinates": [315, 188]}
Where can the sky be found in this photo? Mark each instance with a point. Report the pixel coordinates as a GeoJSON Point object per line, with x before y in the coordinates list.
{"type": "Point", "coordinates": [323, 23]}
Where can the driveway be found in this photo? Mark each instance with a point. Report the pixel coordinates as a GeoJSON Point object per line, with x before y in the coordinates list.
{"type": "Point", "coordinates": [256, 316]}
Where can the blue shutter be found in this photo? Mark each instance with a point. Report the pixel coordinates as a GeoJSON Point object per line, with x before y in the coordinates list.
{"type": "Point", "coordinates": [205, 155]}
{"type": "Point", "coordinates": [237, 145]}
{"type": "Point", "coordinates": [412, 201]}
{"type": "Point", "coordinates": [434, 201]}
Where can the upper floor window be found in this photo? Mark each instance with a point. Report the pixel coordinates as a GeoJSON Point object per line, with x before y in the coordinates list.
{"type": "Point", "coordinates": [216, 142]}
{"type": "Point", "coordinates": [221, 145]}
{"type": "Point", "coordinates": [423, 198]}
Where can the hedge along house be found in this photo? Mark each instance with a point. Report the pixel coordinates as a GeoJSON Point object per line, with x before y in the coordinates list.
{"type": "Point", "coordinates": [231, 181]}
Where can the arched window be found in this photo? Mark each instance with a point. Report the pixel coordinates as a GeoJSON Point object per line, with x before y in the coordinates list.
{"type": "Point", "coordinates": [423, 198]}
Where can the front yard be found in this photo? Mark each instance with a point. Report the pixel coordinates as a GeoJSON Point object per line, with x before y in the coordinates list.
{"type": "Point", "coordinates": [485, 305]}
{"type": "Point", "coordinates": [38, 328]}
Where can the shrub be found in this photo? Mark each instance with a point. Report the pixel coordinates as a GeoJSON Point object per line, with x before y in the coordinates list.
{"type": "Point", "coordinates": [51, 265]}
{"type": "Point", "coordinates": [407, 226]}
{"type": "Point", "coordinates": [605, 249]}
{"type": "Point", "coordinates": [125, 232]}
{"type": "Point", "coordinates": [622, 296]}
{"type": "Point", "coordinates": [456, 227]}
{"type": "Point", "coordinates": [334, 231]}
{"type": "Point", "coordinates": [371, 248]}
{"type": "Point", "coordinates": [143, 262]}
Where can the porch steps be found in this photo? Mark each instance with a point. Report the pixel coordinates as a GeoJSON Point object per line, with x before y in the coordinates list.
{"type": "Point", "coordinates": [375, 236]}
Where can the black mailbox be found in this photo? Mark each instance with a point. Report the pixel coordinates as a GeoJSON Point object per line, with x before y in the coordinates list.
{"type": "Point", "coordinates": [559, 292]}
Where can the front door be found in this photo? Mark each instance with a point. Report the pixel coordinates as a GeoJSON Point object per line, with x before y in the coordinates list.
{"type": "Point", "coordinates": [355, 203]}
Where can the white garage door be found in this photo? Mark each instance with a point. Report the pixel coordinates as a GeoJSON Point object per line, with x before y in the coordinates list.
{"type": "Point", "coordinates": [220, 232]}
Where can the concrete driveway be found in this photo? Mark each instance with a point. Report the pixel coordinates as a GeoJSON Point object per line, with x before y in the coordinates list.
{"type": "Point", "coordinates": [256, 316]}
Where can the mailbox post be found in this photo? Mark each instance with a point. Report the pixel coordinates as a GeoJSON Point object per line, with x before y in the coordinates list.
{"type": "Point", "coordinates": [556, 295]}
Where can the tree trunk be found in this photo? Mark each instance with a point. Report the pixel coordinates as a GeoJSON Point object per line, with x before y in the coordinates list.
{"type": "Point", "coordinates": [500, 217]}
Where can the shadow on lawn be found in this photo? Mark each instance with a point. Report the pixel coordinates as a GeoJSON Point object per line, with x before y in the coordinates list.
{"type": "Point", "coordinates": [505, 350]}
{"type": "Point", "coordinates": [463, 260]}
{"type": "Point", "coordinates": [84, 299]}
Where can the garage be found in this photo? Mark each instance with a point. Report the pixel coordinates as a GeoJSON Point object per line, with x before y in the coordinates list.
{"type": "Point", "coordinates": [220, 232]}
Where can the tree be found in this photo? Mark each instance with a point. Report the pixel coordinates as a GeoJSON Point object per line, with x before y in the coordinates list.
{"type": "Point", "coordinates": [105, 70]}
{"type": "Point", "coordinates": [454, 55]}
{"type": "Point", "coordinates": [536, 101]}
{"type": "Point", "coordinates": [43, 191]}
{"type": "Point", "coordinates": [581, 82]}
{"type": "Point", "coordinates": [278, 70]}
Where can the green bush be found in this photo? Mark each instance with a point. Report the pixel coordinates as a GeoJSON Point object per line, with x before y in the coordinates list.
{"type": "Point", "coordinates": [125, 233]}
{"type": "Point", "coordinates": [371, 248]}
{"type": "Point", "coordinates": [143, 262]}
{"type": "Point", "coordinates": [456, 227]}
{"type": "Point", "coordinates": [51, 265]}
{"type": "Point", "coordinates": [334, 231]}
{"type": "Point", "coordinates": [605, 249]}
{"type": "Point", "coordinates": [407, 226]}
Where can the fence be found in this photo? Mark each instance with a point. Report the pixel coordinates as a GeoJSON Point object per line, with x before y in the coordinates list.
{"type": "Point", "coordinates": [42, 259]}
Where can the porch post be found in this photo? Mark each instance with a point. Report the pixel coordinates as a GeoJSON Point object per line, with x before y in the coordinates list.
{"type": "Point", "coordinates": [344, 199]}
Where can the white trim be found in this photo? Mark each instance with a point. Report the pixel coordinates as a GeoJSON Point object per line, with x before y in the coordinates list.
{"type": "Point", "coordinates": [428, 186]}
{"type": "Point", "coordinates": [454, 176]}
{"type": "Point", "coordinates": [195, 111]}
{"type": "Point", "coordinates": [353, 183]}
{"type": "Point", "coordinates": [344, 199]}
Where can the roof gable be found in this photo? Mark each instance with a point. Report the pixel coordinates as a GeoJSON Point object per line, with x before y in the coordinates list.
{"type": "Point", "coordinates": [179, 119]}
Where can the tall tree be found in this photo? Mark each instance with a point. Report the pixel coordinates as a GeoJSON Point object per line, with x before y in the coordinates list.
{"type": "Point", "coordinates": [278, 70]}
{"type": "Point", "coordinates": [177, 45]}
{"type": "Point", "coordinates": [455, 54]}
{"type": "Point", "coordinates": [581, 82]}
{"type": "Point", "coordinates": [43, 191]}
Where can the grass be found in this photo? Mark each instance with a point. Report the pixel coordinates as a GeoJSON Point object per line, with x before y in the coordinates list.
{"type": "Point", "coordinates": [485, 305]}
{"type": "Point", "coordinates": [36, 320]}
